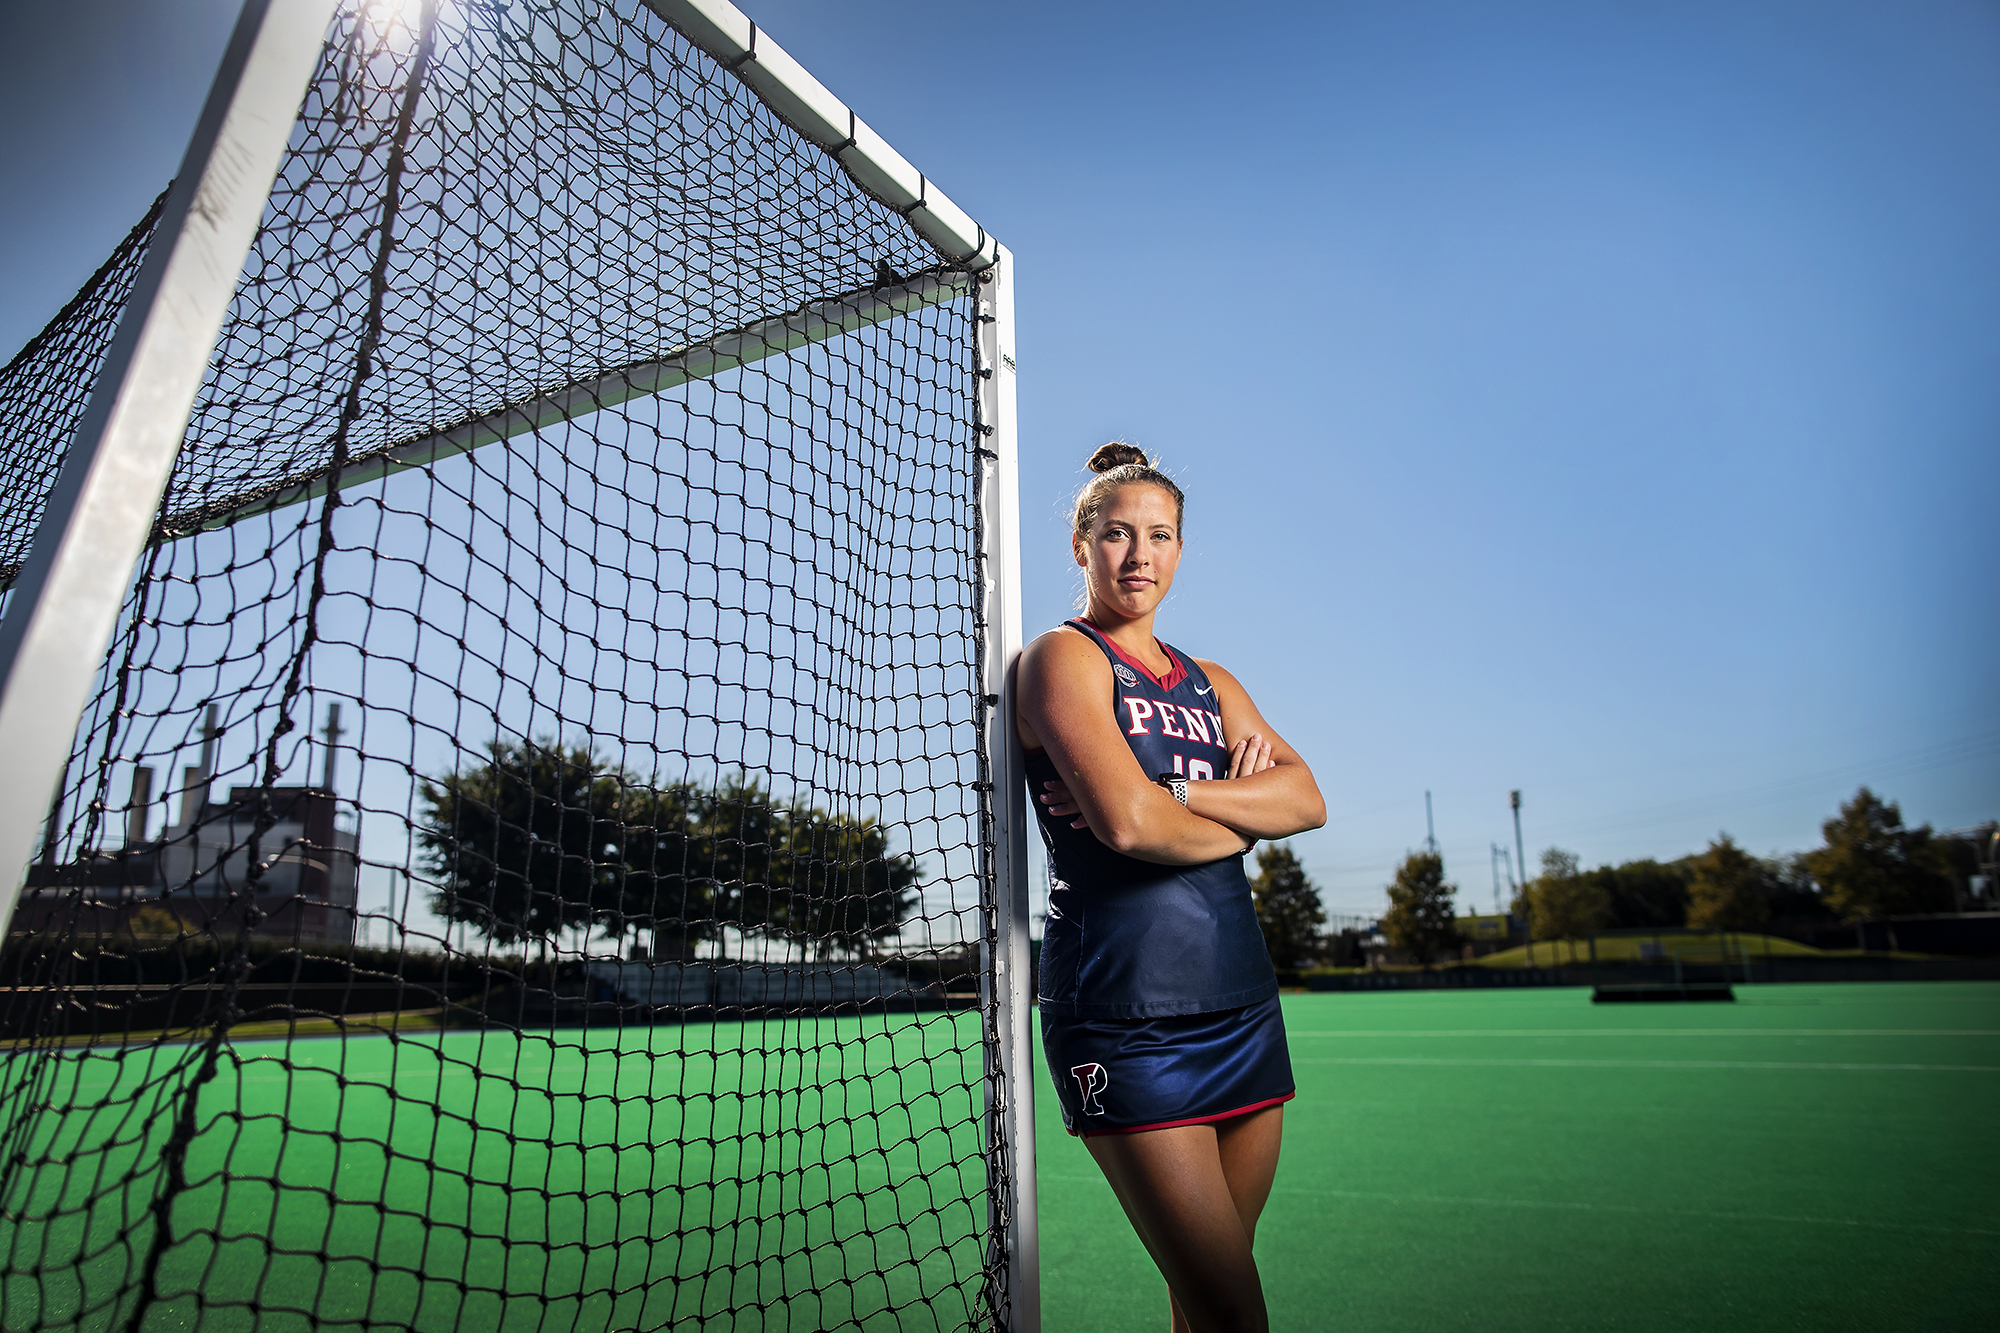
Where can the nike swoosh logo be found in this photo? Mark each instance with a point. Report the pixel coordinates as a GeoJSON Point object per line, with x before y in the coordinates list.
{"type": "Point", "coordinates": [1199, 690]}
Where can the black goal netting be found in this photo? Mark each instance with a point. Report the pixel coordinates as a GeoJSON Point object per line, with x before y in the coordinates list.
{"type": "Point", "coordinates": [523, 865]}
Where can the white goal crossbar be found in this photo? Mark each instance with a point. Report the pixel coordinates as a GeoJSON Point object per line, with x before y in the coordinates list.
{"type": "Point", "coordinates": [818, 322]}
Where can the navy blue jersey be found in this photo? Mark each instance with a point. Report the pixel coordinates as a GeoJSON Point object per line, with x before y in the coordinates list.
{"type": "Point", "coordinates": [1131, 939]}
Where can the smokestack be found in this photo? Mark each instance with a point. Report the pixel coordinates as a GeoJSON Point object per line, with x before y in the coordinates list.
{"type": "Point", "coordinates": [195, 780]}
{"type": "Point", "coordinates": [141, 811]}
{"type": "Point", "coordinates": [333, 735]}
{"type": "Point", "coordinates": [209, 731]}
{"type": "Point", "coordinates": [191, 793]}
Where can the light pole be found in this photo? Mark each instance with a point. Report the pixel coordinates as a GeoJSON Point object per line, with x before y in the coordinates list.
{"type": "Point", "coordinates": [1521, 860]}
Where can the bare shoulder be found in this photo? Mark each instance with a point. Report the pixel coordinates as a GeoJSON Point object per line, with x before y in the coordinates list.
{"type": "Point", "coordinates": [1057, 674]}
{"type": "Point", "coordinates": [1062, 652]}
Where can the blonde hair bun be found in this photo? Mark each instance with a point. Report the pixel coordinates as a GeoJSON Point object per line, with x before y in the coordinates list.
{"type": "Point", "coordinates": [1117, 454]}
{"type": "Point", "coordinates": [1120, 464]}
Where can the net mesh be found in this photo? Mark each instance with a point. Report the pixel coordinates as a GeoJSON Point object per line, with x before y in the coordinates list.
{"type": "Point", "coordinates": [45, 388]}
{"type": "Point", "coordinates": [523, 865]}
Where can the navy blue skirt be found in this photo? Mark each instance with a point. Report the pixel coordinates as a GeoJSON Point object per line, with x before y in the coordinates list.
{"type": "Point", "coordinates": [1123, 1076]}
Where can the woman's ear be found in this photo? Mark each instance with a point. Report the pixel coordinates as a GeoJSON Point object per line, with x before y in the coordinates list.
{"type": "Point", "coordinates": [1076, 549]}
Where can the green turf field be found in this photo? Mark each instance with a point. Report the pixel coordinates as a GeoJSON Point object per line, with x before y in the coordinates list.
{"type": "Point", "coordinates": [1811, 1157]}
{"type": "Point", "coordinates": [803, 1175]}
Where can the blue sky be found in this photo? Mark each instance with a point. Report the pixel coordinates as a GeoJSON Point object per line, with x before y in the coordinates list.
{"type": "Point", "coordinates": [1596, 400]}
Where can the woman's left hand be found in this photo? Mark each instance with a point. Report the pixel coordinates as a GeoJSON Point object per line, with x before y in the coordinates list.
{"type": "Point", "coordinates": [1250, 756]}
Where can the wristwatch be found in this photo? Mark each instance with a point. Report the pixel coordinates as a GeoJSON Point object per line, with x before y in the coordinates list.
{"type": "Point", "coordinates": [1175, 784]}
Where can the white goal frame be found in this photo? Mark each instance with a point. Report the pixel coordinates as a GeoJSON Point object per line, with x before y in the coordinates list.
{"type": "Point", "coordinates": [63, 606]}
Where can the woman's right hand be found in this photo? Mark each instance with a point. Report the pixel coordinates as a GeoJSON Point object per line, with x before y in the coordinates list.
{"type": "Point", "coordinates": [1060, 803]}
{"type": "Point", "coordinates": [1249, 756]}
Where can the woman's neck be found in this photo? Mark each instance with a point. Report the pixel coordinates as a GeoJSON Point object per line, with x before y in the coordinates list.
{"type": "Point", "coordinates": [1135, 636]}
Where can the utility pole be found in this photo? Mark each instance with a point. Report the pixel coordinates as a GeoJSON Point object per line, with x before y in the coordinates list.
{"type": "Point", "coordinates": [1521, 859]}
{"type": "Point", "coordinates": [1430, 831]}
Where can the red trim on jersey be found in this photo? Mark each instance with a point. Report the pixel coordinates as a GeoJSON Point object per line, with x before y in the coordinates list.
{"type": "Point", "coordinates": [1197, 1120]}
{"type": "Point", "coordinates": [1173, 677]}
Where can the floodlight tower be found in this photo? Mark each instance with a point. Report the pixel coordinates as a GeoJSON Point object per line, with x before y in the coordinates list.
{"type": "Point", "coordinates": [1430, 831]}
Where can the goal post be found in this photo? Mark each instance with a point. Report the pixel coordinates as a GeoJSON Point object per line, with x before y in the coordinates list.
{"type": "Point", "coordinates": [67, 594]}
{"type": "Point", "coordinates": [1008, 845]}
{"type": "Point", "coordinates": [531, 597]}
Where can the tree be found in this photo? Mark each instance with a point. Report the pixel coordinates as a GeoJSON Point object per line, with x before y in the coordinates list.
{"type": "Point", "coordinates": [836, 885]}
{"type": "Point", "coordinates": [1288, 907]}
{"type": "Point", "coordinates": [1729, 888]}
{"type": "Point", "coordinates": [1790, 888]}
{"type": "Point", "coordinates": [1643, 894]}
{"type": "Point", "coordinates": [540, 839]}
{"type": "Point", "coordinates": [1421, 917]}
{"type": "Point", "coordinates": [666, 883]}
{"type": "Point", "coordinates": [735, 856]}
{"type": "Point", "coordinates": [1872, 866]}
{"type": "Point", "coordinates": [526, 844]}
{"type": "Point", "coordinates": [738, 839]}
{"type": "Point", "coordinates": [1563, 903]}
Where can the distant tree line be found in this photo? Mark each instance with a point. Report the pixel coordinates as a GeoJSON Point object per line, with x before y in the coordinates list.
{"type": "Point", "coordinates": [1870, 865]}
{"type": "Point", "coordinates": [541, 838]}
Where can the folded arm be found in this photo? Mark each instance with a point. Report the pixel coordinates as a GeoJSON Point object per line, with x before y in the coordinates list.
{"type": "Point", "coordinates": [1061, 684]}
{"type": "Point", "coordinates": [1275, 798]}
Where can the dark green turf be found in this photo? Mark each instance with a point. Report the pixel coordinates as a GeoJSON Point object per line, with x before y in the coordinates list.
{"type": "Point", "coordinates": [1811, 1157]}
{"type": "Point", "coordinates": [726, 1176]}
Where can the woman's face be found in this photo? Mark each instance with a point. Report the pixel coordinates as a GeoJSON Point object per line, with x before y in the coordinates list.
{"type": "Point", "coordinates": [1132, 550]}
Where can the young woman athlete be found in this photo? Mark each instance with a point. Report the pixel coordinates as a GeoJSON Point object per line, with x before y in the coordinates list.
{"type": "Point", "coordinates": [1153, 775]}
